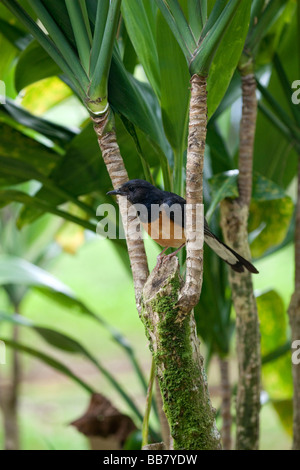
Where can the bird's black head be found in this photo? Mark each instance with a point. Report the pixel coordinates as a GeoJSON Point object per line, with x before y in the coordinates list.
{"type": "Point", "coordinates": [136, 191]}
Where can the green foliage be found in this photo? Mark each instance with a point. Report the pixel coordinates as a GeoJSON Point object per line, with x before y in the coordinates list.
{"type": "Point", "coordinates": [174, 92]}
{"type": "Point", "coordinates": [275, 153]}
{"type": "Point", "coordinates": [276, 375]}
{"type": "Point", "coordinates": [231, 46]}
{"type": "Point", "coordinates": [67, 344]}
{"type": "Point", "coordinates": [140, 20]}
{"type": "Point", "coordinates": [15, 146]}
{"type": "Point", "coordinates": [151, 127]}
{"type": "Point", "coordinates": [271, 218]}
{"type": "Point", "coordinates": [41, 66]}
{"type": "Point", "coordinates": [284, 409]}
{"type": "Point", "coordinates": [271, 209]}
{"type": "Point", "coordinates": [49, 360]}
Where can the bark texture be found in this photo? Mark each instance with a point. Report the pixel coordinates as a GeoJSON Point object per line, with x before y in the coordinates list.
{"type": "Point", "coordinates": [9, 394]}
{"type": "Point", "coordinates": [294, 315]}
{"type": "Point", "coordinates": [118, 175]}
{"type": "Point", "coordinates": [194, 193]}
{"type": "Point", "coordinates": [179, 365]}
{"type": "Point", "coordinates": [8, 402]}
{"type": "Point", "coordinates": [247, 136]}
{"type": "Point", "coordinates": [234, 221]}
{"type": "Point", "coordinates": [226, 404]}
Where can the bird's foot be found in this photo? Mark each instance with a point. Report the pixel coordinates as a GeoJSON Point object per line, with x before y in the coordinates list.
{"type": "Point", "coordinates": [162, 258]}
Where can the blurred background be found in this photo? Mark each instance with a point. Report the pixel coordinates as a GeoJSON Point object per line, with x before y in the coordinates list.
{"type": "Point", "coordinates": [67, 307]}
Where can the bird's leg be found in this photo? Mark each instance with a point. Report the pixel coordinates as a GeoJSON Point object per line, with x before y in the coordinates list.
{"type": "Point", "coordinates": [175, 252]}
{"type": "Point", "coordinates": [160, 258]}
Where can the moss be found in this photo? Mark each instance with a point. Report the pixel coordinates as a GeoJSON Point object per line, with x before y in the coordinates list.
{"type": "Point", "coordinates": [185, 403]}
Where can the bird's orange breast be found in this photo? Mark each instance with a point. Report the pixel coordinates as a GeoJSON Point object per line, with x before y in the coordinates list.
{"type": "Point", "coordinates": [165, 232]}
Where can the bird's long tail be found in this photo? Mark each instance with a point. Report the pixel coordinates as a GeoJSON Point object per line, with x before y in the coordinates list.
{"type": "Point", "coordinates": [231, 257]}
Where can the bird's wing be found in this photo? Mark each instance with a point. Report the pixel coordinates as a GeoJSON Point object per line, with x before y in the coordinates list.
{"type": "Point", "coordinates": [176, 205]}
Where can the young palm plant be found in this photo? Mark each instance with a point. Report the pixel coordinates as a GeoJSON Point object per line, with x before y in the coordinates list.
{"type": "Point", "coordinates": [199, 40]}
{"type": "Point", "coordinates": [288, 124]}
{"type": "Point", "coordinates": [84, 56]}
{"type": "Point", "coordinates": [80, 39]}
{"type": "Point", "coordinates": [234, 215]}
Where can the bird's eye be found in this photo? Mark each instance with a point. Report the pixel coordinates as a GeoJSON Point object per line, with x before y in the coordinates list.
{"type": "Point", "coordinates": [131, 188]}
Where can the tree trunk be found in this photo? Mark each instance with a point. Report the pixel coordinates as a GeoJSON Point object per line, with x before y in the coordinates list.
{"type": "Point", "coordinates": [234, 221]}
{"type": "Point", "coordinates": [194, 194]}
{"type": "Point", "coordinates": [179, 365]}
{"type": "Point", "coordinates": [294, 314]}
{"type": "Point", "coordinates": [105, 131]}
{"type": "Point", "coordinates": [9, 403]}
{"type": "Point", "coordinates": [167, 304]}
{"type": "Point", "coordinates": [226, 404]}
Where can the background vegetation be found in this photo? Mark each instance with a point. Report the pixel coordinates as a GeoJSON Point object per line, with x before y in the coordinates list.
{"type": "Point", "coordinates": [67, 309]}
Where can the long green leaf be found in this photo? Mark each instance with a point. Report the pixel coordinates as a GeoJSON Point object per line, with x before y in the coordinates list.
{"type": "Point", "coordinates": [8, 196]}
{"type": "Point", "coordinates": [58, 10]}
{"type": "Point", "coordinates": [19, 169]}
{"type": "Point", "coordinates": [80, 33]}
{"type": "Point", "coordinates": [35, 64]}
{"type": "Point", "coordinates": [58, 134]}
{"type": "Point", "coordinates": [101, 17]}
{"type": "Point", "coordinates": [61, 42]}
{"type": "Point", "coordinates": [44, 40]}
{"type": "Point", "coordinates": [141, 28]}
{"type": "Point", "coordinates": [269, 15]}
{"type": "Point", "coordinates": [281, 113]}
{"type": "Point", "coordinates": [181, 23]}
{"type": "Point", "coordinates": [99, 81]}
{"type": "Point", "coordinates": [213, 17]}
{"type": "Point", "coordinates": [18, 271]}
{"type": "Point", "coordinates": [286, 87]}
{"type": "Point", "coordinates": [131, 98]}
{"type": "Point", "coordinates": [276, 376]}
{"type": "Point", "coordinates": [50, 361]}
{"type": "Point", "coordinates": [277, 123]}
{"type": "Point", "coordinates": [227, 56]}
{"type": "Point", "coordinates": [16, 36]}
{"type": "Point", "coordinates": [197, 16]}
{"type": "Point", "coordinates": [15, 145]}
{"type": "Point", "coordinates": [85, 16]}
{"type": "Point", "coordinates": [228, 188]}
{"type": "Point", "coordinates": [174, 76]}
{"type": "Point", "coordinates": [164, 8]}
{"type": "Point", "coordinates": [68, 344]}
{"type": "Point", "coordinates": [205, 52]}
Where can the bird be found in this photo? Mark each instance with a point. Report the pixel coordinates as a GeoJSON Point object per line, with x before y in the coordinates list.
{"type": "Point", "coordinates": [143, 194]}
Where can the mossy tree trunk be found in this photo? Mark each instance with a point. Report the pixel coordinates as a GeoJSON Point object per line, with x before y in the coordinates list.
{"type": "Point", "coordinates": [168, 304]}
{"type": "Point", "coordinates": [234, 221]}
{"type": "Point", "coordinates": [179, 365]}
{"type": "Point", "coordinates": [294, 314]}
{"type": "Point", "coordinates": [170, 326]}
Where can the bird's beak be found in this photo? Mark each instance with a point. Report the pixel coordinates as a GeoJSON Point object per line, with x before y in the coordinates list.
{"type": "Point", "coordinates": [116, 192]}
